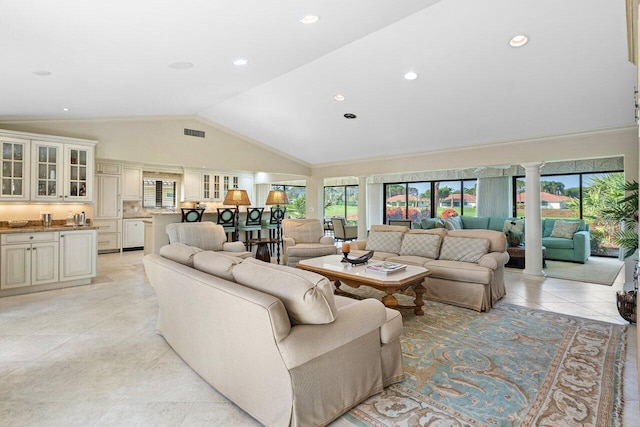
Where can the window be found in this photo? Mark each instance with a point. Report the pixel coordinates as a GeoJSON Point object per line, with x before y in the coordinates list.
{"type": "Point", "coordinates": [427, 199]}
{"type": "Point", "coordinates": [297, 195]}
{"type": "Point", "coordinates": [159, 194]}
{"type": "Point", "coordinates": [577, 196]}
{"type": "Point", "coordinates": [341, 201]}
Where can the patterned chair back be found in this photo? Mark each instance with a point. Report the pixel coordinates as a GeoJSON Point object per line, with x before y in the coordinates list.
{"type": "Point", "coordinates": [254, 217]}
{"type": "Point", "coordinates": [192, 214]}
{"type": "Point", "coordinates": [227, 217]}
{"type": "Point", "coordinates": [277, 214]}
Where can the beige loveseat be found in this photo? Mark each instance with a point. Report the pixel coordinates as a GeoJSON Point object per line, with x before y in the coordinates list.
{"type": "Point", "coordinates": [274, 339]}
{"type": "Point", "coordinates": [467, 266]}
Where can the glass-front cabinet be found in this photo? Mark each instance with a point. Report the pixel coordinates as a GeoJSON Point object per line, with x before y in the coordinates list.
{"type": "Point", "coordinates": [15, 169]}
{"type": "Point", "coordinates": [47, 174]}
{"type": "Point", "coordinates": [78, 173]}
{"type": "Point", "coordinates": [45, 168]}
{"type": "Point", "coordinates": [215, 185]}
{"type": "Point", "coordinates": [62, 172]}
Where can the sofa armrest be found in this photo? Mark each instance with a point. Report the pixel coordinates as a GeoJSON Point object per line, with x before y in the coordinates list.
{"type": "Point", "coordinates": [233, 247]}
{"type": "Point", "coordinates": [494, 260]}
{"type": "Point", "coordinates": [359, 245]}
{"type": "Point", "coordinates": [582, 245]}
{"type": "Point", "coordinates": [327, 240]}
{"type": "Point", "coordinates": [306, 342]}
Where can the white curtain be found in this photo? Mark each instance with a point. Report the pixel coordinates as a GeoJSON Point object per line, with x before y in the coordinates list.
{"type": "Point", "coordinates": [494, 196]}
{"type": "Point", "coordinates": [375, 206]}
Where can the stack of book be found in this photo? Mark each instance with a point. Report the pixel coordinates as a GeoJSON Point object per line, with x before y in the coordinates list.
{"type": "Point", "coordinates": [385, 268]}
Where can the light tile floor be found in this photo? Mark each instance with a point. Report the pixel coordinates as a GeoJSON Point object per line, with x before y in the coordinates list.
{"type": "Point", "coordinates": [88, 356]}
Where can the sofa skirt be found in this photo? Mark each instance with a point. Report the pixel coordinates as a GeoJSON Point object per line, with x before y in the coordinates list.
{"type": "Point", "coordinates": [468, 295]}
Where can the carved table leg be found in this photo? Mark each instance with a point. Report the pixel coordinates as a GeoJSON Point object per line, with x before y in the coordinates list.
{"type": "Point", "coordinates": [389, 300]}
{"type": "Point", "coordinates": [419, 290]}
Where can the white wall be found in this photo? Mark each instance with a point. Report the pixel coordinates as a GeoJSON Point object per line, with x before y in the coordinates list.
{"type": "Point", "coordinates": [162, 141]}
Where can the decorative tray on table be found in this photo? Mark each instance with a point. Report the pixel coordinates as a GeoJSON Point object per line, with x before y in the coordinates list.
{"type": "Point", "coordinates": [356, 261]}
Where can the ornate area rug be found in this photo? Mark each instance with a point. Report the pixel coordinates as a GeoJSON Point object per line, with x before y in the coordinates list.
{"type": "Point", "coordinates": [513, 366]}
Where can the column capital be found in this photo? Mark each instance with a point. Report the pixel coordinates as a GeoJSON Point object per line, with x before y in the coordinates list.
{"type": "Point", "coordinates": [532, 165]}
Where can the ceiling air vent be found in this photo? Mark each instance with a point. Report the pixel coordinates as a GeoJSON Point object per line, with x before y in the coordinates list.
{"type": "Point", "coordinates": [193, 132]}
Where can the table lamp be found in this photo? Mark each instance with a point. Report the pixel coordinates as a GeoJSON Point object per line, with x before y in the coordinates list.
{"type": "Point", "coordinates": [237, 198]}
{"type": "Point", "coordinates": [277, 197]}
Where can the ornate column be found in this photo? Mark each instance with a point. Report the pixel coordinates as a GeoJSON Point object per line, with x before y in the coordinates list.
{"type": "Point", "coordinates": [362, 207]}
{"type": "Point", "coordinates": [533, 221]}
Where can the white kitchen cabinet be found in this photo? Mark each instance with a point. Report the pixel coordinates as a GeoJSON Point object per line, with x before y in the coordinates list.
{"type": "Point", "coordinates": [109, 233]}
{"type": "Point", "coordinates": [28, 259]}
{"type": "Point", "coordinates": [14, 174]}
{"type": "Point", "coordinates": [108, 207]}
{"type": "Point", "coordinates": [108, 203]}
{"type": "Point", "coordinates": [61, 172]}
{"type": "Point", "coordinates": [107, 167]}
{"type": "Point", "coordinates": [191, 186]}
{"type": "Point", "coordinates": [46, 168]}
{"type": "Point", "coordinates": [78, 173]}
{"type": "Point", "coordinates": [132, 183]}
{"type": "Point", "coordinates": [78, 253]}
{"type": "Point", "coordinates": [133, 235]}
{"type": "Point", "coordinates": [215, 185]}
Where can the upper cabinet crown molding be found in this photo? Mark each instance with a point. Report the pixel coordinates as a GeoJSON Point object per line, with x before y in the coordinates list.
{"type": "Point", "coordinates": [46, 168]}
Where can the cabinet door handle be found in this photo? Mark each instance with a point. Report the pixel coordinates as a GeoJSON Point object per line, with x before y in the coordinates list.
{"type": "Point", "coordinates": [28, 249]}
{"type": "Point", "coordinates": [35, 249]}
{"type": "Point", "coordinates": [30, 237]}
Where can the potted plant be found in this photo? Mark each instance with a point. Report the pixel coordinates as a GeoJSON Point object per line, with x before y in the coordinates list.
{"type": "Point", "coordinates": [625, 210]}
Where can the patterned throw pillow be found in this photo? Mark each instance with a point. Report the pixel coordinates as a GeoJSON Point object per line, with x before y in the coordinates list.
{"type": "Point", "coordinates": [422, 244]}
{"type": "Point", "coordinates": [464, 249]}
{"type": "Point", "coordinates": [453, 223]}
{"type": "Point", "coordinates": [565, 229]}
{"type": "Point", "coordinates": [513, 225]}
{"type": "Point", "coordinates": [384, 241]}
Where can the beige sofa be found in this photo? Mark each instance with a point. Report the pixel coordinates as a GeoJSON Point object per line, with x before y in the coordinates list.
{"type": "Point", "coordinates": [304, 238]}
{"type": "Point", "coordinates": [467, 266]}
{"type": "Point", "coordinates": [274, 339]}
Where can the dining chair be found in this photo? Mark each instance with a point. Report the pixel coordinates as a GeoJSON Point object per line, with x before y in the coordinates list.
{"type": "Point", "coordinates": [271, 224]}
{"type": "Point", "coordinates": [253, 222]}
{"type": "Point", "coordinates": [227, 218]}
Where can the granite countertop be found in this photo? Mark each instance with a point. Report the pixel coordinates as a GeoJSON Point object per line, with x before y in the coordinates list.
{"type": "Point", "coordinates": [40, 228]}
{"type": "Point", "coordinates": [141, 216]}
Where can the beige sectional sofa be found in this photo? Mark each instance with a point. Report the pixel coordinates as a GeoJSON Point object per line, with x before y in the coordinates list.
{"type": "Point", "coordinates": [273, 339]}
{"type": "Point", "coordinates": [467, 266]}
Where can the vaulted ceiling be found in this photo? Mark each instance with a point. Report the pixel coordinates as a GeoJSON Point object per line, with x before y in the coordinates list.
{"type": "Point", "coordinates": [130, 58]}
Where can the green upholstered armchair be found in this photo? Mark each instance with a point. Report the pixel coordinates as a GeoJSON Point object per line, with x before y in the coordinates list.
{"type": "Point", "coordinates": [576, 248]}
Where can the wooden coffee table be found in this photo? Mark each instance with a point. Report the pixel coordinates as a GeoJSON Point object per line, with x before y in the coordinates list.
{"type": "Point", "coordinates": [356, 276]}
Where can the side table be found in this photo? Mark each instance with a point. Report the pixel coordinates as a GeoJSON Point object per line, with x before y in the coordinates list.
{"type": "Point", "coordinates": [517, 256]}
{"type": "Point", "coordinates": [262, 250]}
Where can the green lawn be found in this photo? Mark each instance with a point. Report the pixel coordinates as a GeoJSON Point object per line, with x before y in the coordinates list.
{"type": "Point", "coordinates": [338, 210]}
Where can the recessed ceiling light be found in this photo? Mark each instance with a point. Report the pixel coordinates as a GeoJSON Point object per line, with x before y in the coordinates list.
{"type": "Point", "coordinates": [339, 97]}
{"type": "Point", "coordinates": [65, 109]}
{"type": "Point", "coordinates": [241, 61]}
{"type": "Point", "coordinates": [180, 65]}
{"type": "Point", "coordinates": [350, 116]}
{"type": "Point", "coordinates": [411, 75]}
{"type": "Point", "coordinates": [519, 40]}
{"type": "Point", "coordinates": [310, 19]}
{"type": "Point", "coordinates": [42, 73]}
